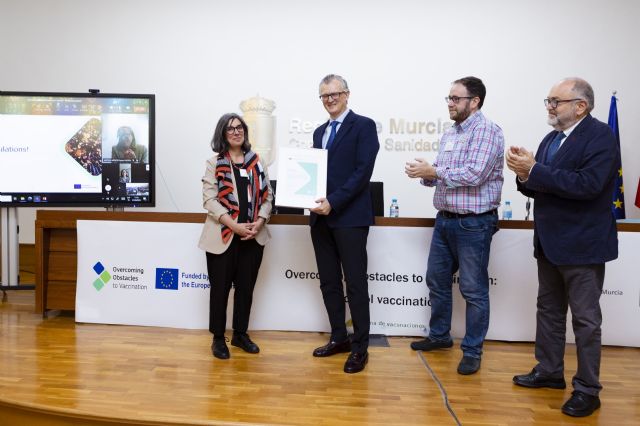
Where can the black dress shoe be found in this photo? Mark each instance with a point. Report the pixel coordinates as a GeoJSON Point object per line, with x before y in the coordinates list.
{"type": "Point", "coordinates": [243, 341]}
{"type": "Point", "coordinates": [332, 348]}
{"type": "Point", "coordinates": [581, 404]}
{"type": "Point", "coordinates": [468, 365]}
{"type": "Point", "coordinates": [356, 362]}
{"type": "Point", "coordinates": [429, 345]}
{"type": "Point", "coordinates": [537, 380]}
{"type": "Point", "coordinates": [219, 349]}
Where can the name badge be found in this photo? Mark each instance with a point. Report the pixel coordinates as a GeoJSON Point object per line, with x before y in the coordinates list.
{"type": "Point", "coordinates": [243, 173]}
{"type": "Point", "coordinates": [449, 145]}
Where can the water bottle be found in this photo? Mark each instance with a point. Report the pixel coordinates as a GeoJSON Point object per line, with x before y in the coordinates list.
{"type": "Point", "coordinates": [394, 210]}
{"type": "Point", "coordinates": [507, 213]}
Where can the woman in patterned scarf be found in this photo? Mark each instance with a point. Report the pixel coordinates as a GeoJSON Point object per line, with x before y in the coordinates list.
{"type": "Point", "coordinates": [238, 199]}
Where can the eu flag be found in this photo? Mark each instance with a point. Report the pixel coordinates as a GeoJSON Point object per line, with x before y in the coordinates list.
{"type": "Point", "coordinates": [166, 279]}
{"type": "Point", "coordinates": [618, 193]}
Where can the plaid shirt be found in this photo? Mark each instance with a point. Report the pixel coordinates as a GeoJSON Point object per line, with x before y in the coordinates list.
{"type": "Point", "coordinates": [469, 167]}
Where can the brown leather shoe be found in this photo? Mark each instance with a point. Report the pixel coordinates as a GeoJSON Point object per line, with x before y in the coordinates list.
{"type": "Point", "coordinates": [332, 348]}
{"type": "Point", "coordinates": [356, 362]}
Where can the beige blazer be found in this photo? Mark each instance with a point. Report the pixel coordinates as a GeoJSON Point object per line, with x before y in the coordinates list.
{"type": "Point", "coordinates": [211, 237]}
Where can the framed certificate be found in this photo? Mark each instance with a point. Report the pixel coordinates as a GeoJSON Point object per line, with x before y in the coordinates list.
{"type": "Point", "coordinates": [302, 177]}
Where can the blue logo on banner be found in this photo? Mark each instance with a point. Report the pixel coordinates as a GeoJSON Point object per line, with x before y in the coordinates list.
{"type": "Point", "coordinates": [166, 279]}
{"type": "Point", "coordinates": [103, 276]}
{"type": "Point", "coordinates": [98, 267]}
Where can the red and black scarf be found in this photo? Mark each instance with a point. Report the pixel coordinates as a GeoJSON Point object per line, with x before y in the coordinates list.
{"type": "Point", "coordinates": [257, 188]}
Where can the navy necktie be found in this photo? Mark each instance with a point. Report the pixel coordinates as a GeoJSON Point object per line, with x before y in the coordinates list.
{"type": "Point", "coordinates": [332, 135]}
{"type": "Point", "coordinates": [553, 147]}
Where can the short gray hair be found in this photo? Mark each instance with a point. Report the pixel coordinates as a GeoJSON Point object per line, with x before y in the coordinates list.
{"type": "Point", "coordinates": [584, 91]}
{"type": "Point", "coordinates": [330, 77]}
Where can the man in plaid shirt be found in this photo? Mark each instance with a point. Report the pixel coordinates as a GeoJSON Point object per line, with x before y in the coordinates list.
{"type": "Point", "coordinates": [467, 175]}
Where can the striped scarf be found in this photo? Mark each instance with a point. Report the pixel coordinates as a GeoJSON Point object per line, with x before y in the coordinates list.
{"type": "Point", "coordinates": [257, 188]}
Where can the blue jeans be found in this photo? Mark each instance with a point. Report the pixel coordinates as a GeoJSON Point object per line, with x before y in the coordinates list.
{"type": "Point", "coordinates": [461, 244]}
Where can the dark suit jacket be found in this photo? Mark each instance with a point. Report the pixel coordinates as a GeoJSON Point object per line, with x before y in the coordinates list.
{"type": "Point", "coordinates": [350, 164]}
{"type": "Point", "coordinates": [574, 222]}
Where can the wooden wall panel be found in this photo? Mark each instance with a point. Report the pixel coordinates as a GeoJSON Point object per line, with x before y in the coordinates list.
{"type": "Point", "coordinates": [27, 258]}
{"type": "Point", "coordinates": [62, 266]}
{"type": "Point", "coordinates": [61, 295]}
{"type": "Point", "coordinates": [63, 240]}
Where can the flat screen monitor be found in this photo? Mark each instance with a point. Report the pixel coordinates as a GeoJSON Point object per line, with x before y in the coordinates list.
{"type": "Point", "coordinates": [76, 149]}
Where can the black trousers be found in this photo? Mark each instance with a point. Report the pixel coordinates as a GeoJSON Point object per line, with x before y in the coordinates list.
{"type": "Point", "coordinates": [578, 287]}
{"type": "Point", "coordinates": [338, 250]}
{"type": "Point", "coordinates": [237, 266]}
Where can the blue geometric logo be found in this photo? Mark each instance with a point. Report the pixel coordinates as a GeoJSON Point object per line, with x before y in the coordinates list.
{"type": "Point", "coordinates": [103, 276]}
{"type": "Point", "coordinates": [98, 267]}
{"type": "Point", "coordinates": [166, 279]}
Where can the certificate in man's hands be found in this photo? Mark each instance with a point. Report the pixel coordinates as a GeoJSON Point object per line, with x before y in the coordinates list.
{"type": "Point", "coordinates": [302, 177]}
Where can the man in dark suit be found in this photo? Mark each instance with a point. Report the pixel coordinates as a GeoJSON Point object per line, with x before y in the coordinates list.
{"type": "Point", "coordinates": [340, 223]}
{"type": "Point", "coordinates": [572, 180]}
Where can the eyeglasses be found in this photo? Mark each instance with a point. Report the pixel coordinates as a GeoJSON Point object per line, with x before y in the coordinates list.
{"type": "Point", "coordinates": [330, 96]}
{"type": "Point", "coordinates": [231, 130]}
{"type": "Point", "coordinates": [555, 102]}
{"type": "Point", "coordinates": [456, 99]}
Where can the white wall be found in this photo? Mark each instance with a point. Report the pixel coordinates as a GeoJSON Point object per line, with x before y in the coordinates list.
{"type": "Point", "coordinates": [202, 58]}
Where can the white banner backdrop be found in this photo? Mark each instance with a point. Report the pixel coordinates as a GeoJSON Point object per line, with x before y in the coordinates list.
{"type": "Point", "coordinates": [145, 273]}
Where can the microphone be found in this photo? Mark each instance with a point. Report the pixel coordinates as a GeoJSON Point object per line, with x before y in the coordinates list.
{"type": "Point", "coordinates": [528, 207]}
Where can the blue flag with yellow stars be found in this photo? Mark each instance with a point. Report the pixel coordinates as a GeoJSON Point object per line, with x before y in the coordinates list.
{"type": "Point", "coordinates": [618, 193]}
{"type": "Point", "coordinates": [166, 279]}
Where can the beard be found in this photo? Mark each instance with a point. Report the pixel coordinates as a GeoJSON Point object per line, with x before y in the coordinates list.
{"type": "Point", "coordinates": [460, 116]}
{"type": "Point", "coordinates": [563, 120]}
{"type": "Point", "coordinates": [552, 120]}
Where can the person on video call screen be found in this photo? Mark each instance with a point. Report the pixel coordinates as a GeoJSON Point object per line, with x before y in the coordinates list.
{"type": "Point", "coordinates": [127, 149]}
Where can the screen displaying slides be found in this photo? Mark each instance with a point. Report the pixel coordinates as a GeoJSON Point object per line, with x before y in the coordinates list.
{"type": "Point", "coordinates": [82, 150]}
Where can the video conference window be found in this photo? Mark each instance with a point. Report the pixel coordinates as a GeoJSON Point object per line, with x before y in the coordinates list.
{"type": "Point", "coordinates": [125, 173]}
{"type": "Point", "coordinates": [126, 142]}
{"type": "Point", "coordinates": [75, 149]}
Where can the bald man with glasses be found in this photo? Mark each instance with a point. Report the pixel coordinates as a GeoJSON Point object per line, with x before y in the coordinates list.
{"type": "Point", "coordinates": [571, 179]}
